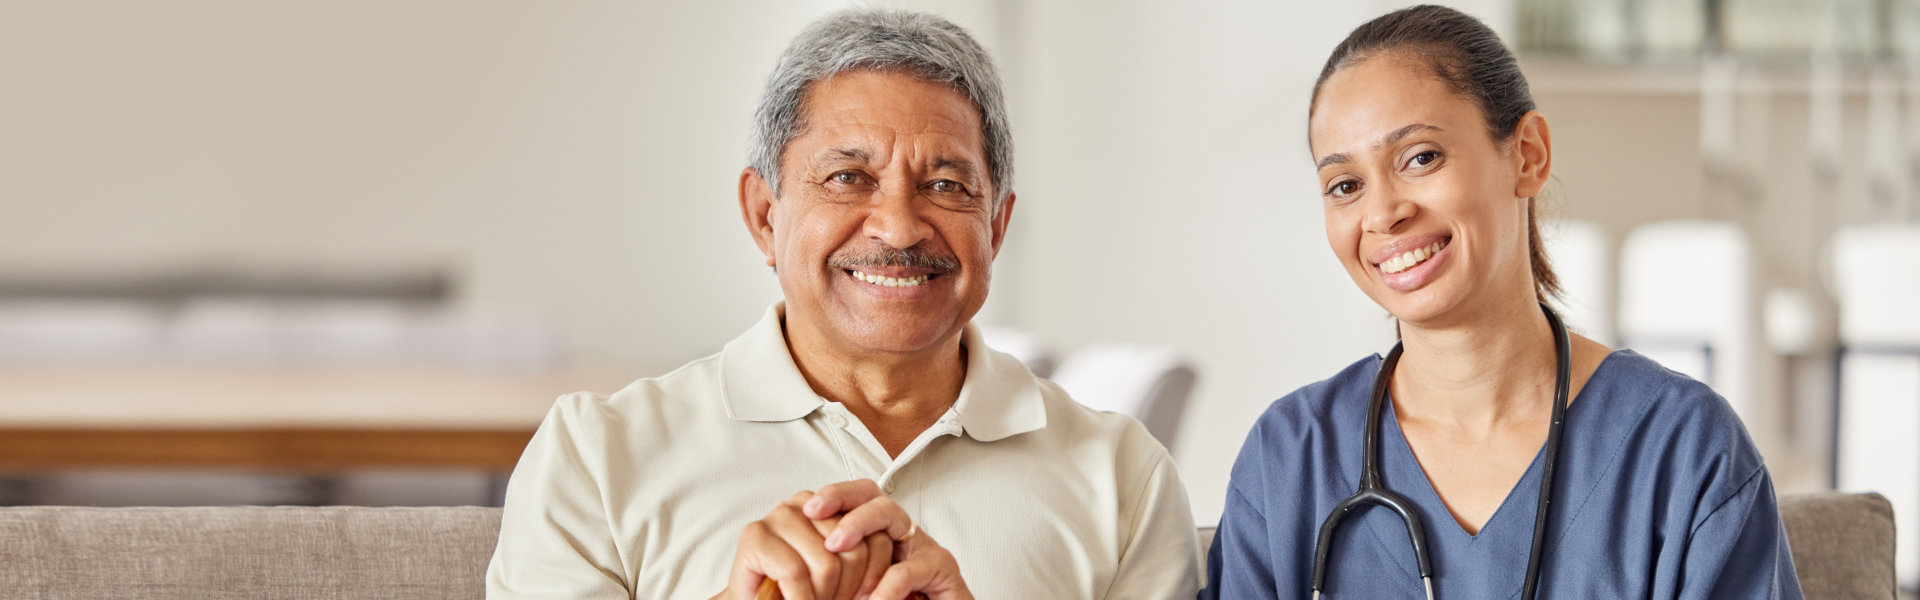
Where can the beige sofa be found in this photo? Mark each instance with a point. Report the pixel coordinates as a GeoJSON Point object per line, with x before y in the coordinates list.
{"type": "Point", "coordinates": [1843, 546]}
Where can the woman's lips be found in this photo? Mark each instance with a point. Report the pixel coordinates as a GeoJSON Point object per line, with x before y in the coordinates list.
{"type": "Point", "coordinates": [1411, 258]}
{"type": "Point", "coordinates": [1409, 270]}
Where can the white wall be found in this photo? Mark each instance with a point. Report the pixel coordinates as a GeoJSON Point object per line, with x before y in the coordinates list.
{"type": "Point", "coordinates": [1167, 197]}
{"type": "Point", "coordinates": [577, 161]}
{"type": "Point", "coordinates": [572, 160]}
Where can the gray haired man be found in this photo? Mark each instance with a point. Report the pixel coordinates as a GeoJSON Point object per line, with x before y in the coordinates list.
{"type": "Point", "coordinates": [880, 190]}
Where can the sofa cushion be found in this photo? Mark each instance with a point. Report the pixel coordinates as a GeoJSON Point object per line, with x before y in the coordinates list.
{"type": "Point", "coordinates": [1842, 548]}
{"type": "Point", "coordinates": [1842, 544]}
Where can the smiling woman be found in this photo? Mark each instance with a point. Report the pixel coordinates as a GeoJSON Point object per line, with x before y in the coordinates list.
{"type": "Point", "coordinates": [1430, 155]}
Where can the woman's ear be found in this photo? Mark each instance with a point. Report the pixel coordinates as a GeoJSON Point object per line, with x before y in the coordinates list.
{"type": "Point", "coordinates": [1532, 155]}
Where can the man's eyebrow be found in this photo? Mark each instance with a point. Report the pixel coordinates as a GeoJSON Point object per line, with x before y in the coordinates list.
{"type": "Point", "coordinates": [966, 167]}
{"type": "Point", "coordinates": [1397, 135]}
{"type": "Point", "coordinates": [846, 153]}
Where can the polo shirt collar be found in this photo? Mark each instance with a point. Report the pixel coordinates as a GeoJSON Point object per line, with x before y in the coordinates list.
{"type": "Point", "coordinates": [1000, 398]}
{"type": "Point", "coordinates": [761, 382]}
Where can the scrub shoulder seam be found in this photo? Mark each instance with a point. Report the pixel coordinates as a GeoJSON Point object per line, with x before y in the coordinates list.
{"type": "Point", "coordinates": [1738, 491]}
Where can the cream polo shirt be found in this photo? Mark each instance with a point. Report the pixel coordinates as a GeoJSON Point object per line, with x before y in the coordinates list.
{"type": "Point", "coordinates": [643, 494]}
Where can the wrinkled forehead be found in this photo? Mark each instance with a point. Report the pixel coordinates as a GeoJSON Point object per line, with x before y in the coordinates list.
{"type": "Point", "coordinates": [866, 112]}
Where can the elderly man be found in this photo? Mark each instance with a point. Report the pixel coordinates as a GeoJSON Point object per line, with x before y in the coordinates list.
{"type": "Point", "coordinates": [879, 190]}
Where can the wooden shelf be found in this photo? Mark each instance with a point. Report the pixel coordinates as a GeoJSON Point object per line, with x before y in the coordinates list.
{"type": "Point", "coordinates": [281, 419]}
{"type": "Point", "coordinates": [305, 451]}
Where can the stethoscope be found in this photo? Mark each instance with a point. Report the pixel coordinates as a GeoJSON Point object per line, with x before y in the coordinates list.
{"type": "Point", "coordinates": [1371, 492]}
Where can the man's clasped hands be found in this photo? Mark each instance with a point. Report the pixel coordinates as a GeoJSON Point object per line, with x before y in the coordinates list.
{"type": "Point", "coordinates": [846, 541]}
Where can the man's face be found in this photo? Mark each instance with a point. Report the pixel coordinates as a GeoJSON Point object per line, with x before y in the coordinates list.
{"type": "Point", "coordinates": [885, 232]}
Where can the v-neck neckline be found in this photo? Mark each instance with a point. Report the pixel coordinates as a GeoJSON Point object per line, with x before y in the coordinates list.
{"type": "Point", "coordinates": [1430, 496]}
{"type": "Point", "coordinates": [1456, 548]}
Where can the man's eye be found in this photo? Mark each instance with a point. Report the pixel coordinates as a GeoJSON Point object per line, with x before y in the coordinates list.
{"type": "Point", "coordinates": [846, 178]}
{"type": "Point", "coordinates": [946, 186]}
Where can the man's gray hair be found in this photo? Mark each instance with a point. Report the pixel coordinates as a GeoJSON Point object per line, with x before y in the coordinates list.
{"type": "Point", "coordinates": [925, 46]}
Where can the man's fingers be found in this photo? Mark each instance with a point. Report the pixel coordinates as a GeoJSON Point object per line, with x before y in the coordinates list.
{"type": "Point", "coordinates": [879, 555]}
{"type": "Point", "coordinates": [796, 590]}
{"type": "Point", "coordinates": [853, 562]}
{"type": "Point", "coordinates": [877, 515]}
{"type": "Point", "coordinates": [789, 548]}
{"type": "Point", "coordinates": [924, 570]}
{"type": "Point", "coordinates": [853, 569]}
{"type": "Point", "coordinates": [903, 579]}
{"type": "Point", "coordinates": [764, 556]}
{"type": "Point", "coordinates": [797, 535]}
{"type": "Point", "coordinates": [837, 498]}
{"type": "Point", "coordinates": [903, 550]}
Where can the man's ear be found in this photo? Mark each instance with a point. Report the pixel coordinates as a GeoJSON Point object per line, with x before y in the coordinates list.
{"type": "Point", "coordinates": [756, 209]}
{"type": "Point", "coordinates": [1532, 155]}
{"type": "Point", "coordinates": [1001, 218]}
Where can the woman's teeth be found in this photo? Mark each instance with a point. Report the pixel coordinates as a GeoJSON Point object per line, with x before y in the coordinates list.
{"type": "Point", "coordinates": [1411, 259]}
{"type": "Point", "coordinates": [890, 281]}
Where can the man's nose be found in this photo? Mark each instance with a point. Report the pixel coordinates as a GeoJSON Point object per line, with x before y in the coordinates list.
{"type": "Point", "coordinates": [896, 220]}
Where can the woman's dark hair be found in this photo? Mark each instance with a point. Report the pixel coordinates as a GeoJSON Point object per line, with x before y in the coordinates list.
{"type": "Point", "coordinates": [1466, 55]}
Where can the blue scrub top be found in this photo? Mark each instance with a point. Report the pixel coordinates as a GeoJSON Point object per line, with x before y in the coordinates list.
{"type": "Point", "coordinates": [1659, 493]}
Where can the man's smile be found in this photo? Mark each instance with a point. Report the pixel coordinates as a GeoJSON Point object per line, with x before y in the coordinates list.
{"type": "Point", "coordinates": [883, 280]}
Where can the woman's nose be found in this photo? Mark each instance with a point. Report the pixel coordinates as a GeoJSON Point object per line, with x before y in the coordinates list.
{"type": "Point", "coordinates": [1387, 209]}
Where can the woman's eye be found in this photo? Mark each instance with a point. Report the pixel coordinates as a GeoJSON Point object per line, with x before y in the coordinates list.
{"type": "Point", "coordinates": [1343, 188]}
{"type": "Point", "coordinates": [1424, 158]}
{"type": "Point", "coordinates": [846, 178]}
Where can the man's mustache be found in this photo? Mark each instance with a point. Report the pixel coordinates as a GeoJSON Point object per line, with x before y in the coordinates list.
{"type": "Point", "coordinates": [908, 258]}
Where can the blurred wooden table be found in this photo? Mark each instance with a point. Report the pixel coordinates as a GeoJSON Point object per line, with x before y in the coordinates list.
{"type": "Point", "coordinates": [295, 420]}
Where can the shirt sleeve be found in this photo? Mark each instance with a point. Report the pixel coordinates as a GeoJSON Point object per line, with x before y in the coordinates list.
{"type": "Point", "coordinates": [1163, 559]}
{"type": "Point", "coordinates": [1739, 550]}
{"type": "Point", "coordinates": [1239, 565]}
{"type": "Point", "coordinates": [555, 537]}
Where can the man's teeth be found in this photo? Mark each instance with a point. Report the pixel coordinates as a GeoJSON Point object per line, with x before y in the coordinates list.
{"type": "Point", "coordinates": [1412, 258]}
{"type": "Point", "coordinates": [890, 281]}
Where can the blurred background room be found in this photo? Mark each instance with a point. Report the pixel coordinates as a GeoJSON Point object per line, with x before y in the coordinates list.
{"type": "Point", "coordinates": [349, 252]}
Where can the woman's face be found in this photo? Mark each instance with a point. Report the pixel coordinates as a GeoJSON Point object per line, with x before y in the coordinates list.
{"type": "Point", "coordinates": [1427, 212]}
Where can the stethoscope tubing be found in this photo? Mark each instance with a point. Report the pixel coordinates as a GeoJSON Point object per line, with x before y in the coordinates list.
{"type": "Point", "coordinates": [1373, 493]}
{"type": "Point", "coordinates": [1562, 383]}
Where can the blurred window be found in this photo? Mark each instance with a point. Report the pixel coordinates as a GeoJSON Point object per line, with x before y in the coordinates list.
{"type": "Point", "coordinates": [1650, 30]}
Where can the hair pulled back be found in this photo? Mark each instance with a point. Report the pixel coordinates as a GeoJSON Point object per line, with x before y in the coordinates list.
{"type": "Point", "coordinates": [1469, 58]}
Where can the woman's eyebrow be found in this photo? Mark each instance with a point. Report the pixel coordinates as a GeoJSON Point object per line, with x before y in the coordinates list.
{"type": "Point", "coordinates": [1402, 133]}
{"type": "Point", "coordinates": [1395, 136]}
{"type": "Point", "coordinates": [1337, 158]}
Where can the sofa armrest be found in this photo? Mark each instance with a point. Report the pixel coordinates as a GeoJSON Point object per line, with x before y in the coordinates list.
{"type": "Point", "coordinates": [1842, 544]}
